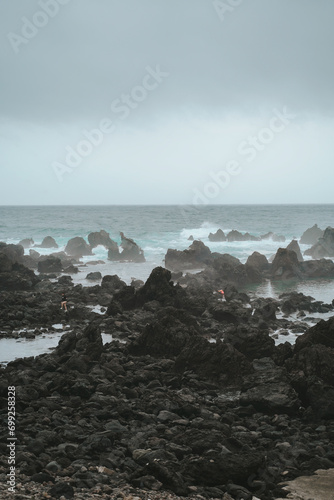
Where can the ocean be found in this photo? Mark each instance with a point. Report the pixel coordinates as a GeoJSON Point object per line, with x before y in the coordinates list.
{"type": "Point", "coordinates": [157, 228]}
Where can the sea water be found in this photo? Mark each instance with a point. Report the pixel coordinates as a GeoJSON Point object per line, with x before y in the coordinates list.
{"type": "Point", "coordinates": [158, 228]}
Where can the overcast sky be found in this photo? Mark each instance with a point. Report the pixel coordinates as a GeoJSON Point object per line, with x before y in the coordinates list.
{"type": "Point", "coordinates": [166, 101]}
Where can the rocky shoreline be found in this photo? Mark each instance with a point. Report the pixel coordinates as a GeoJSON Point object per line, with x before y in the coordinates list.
{"type": "Point", "coordinates": [191, 399]}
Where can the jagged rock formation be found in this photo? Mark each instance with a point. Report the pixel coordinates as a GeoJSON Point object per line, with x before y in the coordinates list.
{"type": "Point", "coordinates": [311, 235]}
{"type": "Point", "coordinates": [293, 245]}
{"type": "Point", "coordinates": [324, 247]}
{"type": "Point", "coordinates": [219, 235]}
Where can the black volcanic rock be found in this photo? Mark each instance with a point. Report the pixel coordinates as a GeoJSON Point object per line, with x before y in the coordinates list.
{"type": "Point", "coordinates": [159, 287]}
{"type": "Point", "coordinates": [77, 247]}
{"type": "Point", "coordinates": [293, 245]}
{"type": "Point", "coordinates": [324, 247]}
{"type": "Point", "coordinates": [112, 283]}
{"type": "Point", "coordinates": [311, 235]}
{"type": "Point", "coordinates": [166, 337]}
{"type": "Point", "coordinates": [48, 242]}
{"type": "Point", "coordinates": [102, 238]}
{"type": "Point", "coordinates": [125, 297]}
{"type": "Point", "coordinates": [229, 269]}
{"type": "Point", "coordinates": [321, 333]}
{"type": "Point", "coordinates": [220, 362]}
{"type": "Point", "coordinates": [18, 278]}
{"type": "Point", "coordinates": [219, 235]}
{"type": "Point", "coordinates": [14, 252]}
{"type": "Point", "coordinates": [258, 261]}
{"type": "Point", "coordinates": [131, 251]}
{"type": "Point", "coordinates": [251, 342]}
{"type": "Point", "coordinates": [50, 265]}
{"type": "Point", "coordinates": [197, 255]}
{"type": "Point", "coordinates": [268, 389]}
{"type": "Point", "coordinates": [321, 268]}
{"type": "Point", "coordinates": [27, 242]}
{"type": "Point", "coordinates": [312, 368]}
{"type": "Point", "coordinates": [235, 235]}
{"type": "Point", "coordinates": [95, 276]}
{"type": "Point", "coordinates": [6, 263]}
{"type": "Point", "coordinates": [272, 236]}
{"type": "Point", "coordinates": [285, 265]}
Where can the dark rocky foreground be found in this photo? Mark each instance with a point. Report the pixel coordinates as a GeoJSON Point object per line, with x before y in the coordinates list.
{"type": "Point", "coordinates": [192, 398]}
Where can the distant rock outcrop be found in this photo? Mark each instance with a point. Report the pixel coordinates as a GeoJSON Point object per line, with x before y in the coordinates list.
{"type": "Point", "coordinates": [237, 236]}
{"type": "Point", "coordinates": [48, 242]}
{"type": "Point", "coordinates": [131, 251]}
{"type": "Point", "coordinates": [219, 235]}
{"type": "Point", "coordinates": [286, 266]}
{"type": "Point", "coordinates": [77, 247]}
{"type": "Point", "coordinates": [293, 245]}
{"type": "Point", "coordinates": [27, 242]}
{"type": "Point", "coordinates": [324, 247]}
{"type": "Point", "coordinates": [272, 236]}
{"type": "Point", "coordinates": [311, 235]}
{"type": "Point", "coordinates": [102, 238]}
{"type": "Point", "coordinates": [95, 276]}
{"type": "Point", "coordinates": [196, 256]}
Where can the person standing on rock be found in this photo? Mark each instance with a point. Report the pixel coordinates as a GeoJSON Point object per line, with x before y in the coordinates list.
{"type": "Point", "coordinates": [63, 302]}
{"type": "Point", "coordinates": [222, 293]}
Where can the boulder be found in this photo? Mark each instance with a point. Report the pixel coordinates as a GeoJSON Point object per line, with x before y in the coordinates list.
{"type": "Point", "coordinates": [311, 235]}
{"type": "Point", "coordinates": [96, 276]}
{"type": "Point", "coordinates": [251, 342]}
{"type": "Point", "coordinates": [268, 389]}
{"type": "Point", "coordinates": [48, 242]}
{"type": "Point", "coordinates": [49, 265]}
{"type": "Point", "coordinates": [294, 246]}
{"type": "Point", "coordinates": [27, 242]}
{"type": "Point", "coordinates": [34, 255]}
{"type": "Point", "coordinates": [102, 238]}
{"type": "Point", "coordinates": [6, 264]}
{"type": "Point", "coordinates": [131, 251]}
{"type": "Point", "coordinates": [322, 268]}
{"type": "Point", "coordinates": [197, 255]}
{"type": "Point", "coordinates": [17, 278]}
{"type": "Point", "coordinates": [258, 261]}
{"type": "Point", "coordinates": [159, 287]}
{"type": "Point", "coordinates": [220, 362]}
{"type": "Point", "coordinates": [89, 343]}
{"type": "Point", "coordinates": [229, 269]}
{"type": "Point", "coordinates": [219, 235]}
{"type": "Point", "coordinates": [14, 252]}
{"type": "Point", "coordinates": [321, 333]}
{"type": "Point", "coordinates": [285, 265]}
{"type": "Point", "coordinates": [166, 337]}
{"type": "Point", "coordinates": [112, 283]}
{"type": "Point", "coordinates": [324, 247]}
{"type": "Point", "coordinates": [77, 247]}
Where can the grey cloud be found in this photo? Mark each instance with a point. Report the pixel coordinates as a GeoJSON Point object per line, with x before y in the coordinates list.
{"type": "Point", "coordinates": [264, 53]}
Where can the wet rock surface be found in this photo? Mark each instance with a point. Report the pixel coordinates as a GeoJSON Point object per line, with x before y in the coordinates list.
{"type": "Point", "coordinates": [191, 398]}
{"type": "Point", "coordinates": [324, 247]}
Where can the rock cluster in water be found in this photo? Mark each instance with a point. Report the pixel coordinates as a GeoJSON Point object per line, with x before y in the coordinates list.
{"type": "Point", "coordinates": [288, 263]}
{"type": "Point", "coordinates": [191, 397]}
